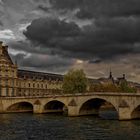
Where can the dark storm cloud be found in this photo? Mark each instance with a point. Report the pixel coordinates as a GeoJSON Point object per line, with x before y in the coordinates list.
{"type": "Point", "coordinates": [105, 38]}
{"type": "Point", "coordinates": [43, 8]}
{"type": "Point", "coordinates": [48, 63]}
{"type": "Point", "coordinates": [65, 4]}
{"type": "Point", "coordinates": [1, 13]}
{"type": "Point", "coordinates": [47, 28]}
{"type": "Point", "coordinates": [32, 57]}
{"type": "Point", "coordinates": [1, 24]}
{"type": "Point", "coordinates": [26, 46]}
{"type": "Point", "coordinates": [52, 33]}
{"type": "Point", "coordinates": [42, 62]}
{"type": "Point", "coordinates": [96, 8]}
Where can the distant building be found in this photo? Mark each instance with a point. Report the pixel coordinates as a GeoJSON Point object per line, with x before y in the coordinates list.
{"type": "Point", "coordinates": [121, 80]}
{"type": "Point", "coordinates": [106, 81]}
{"type": "Point", "coordinates": [112, 80]}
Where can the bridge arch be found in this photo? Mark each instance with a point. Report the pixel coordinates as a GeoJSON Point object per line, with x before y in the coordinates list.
{"type": "Point", "coordinates": [55, 106]}
{"type": "Point", "coordinates": [135, 114]}
{"type": "Point", "coordinates": [94, 106]}
{"type": "Point", "coordinates": [22, 106]}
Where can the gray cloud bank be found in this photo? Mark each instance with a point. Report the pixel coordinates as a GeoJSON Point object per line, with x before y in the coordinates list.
{"type": "Point", "coordinates": [98, 8]}
{"type": "Point", "coordinates": [104, 38]}
{"type": "Point", "coordinates": [1, 24]}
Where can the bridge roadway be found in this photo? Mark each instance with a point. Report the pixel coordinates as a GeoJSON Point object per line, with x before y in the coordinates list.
{"type": "Point", "coordinates": [127, 105]}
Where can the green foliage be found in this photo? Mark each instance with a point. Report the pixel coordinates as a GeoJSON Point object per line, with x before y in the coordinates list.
{"type": "Point", "coordinates": [75, 81]}
{"type": "Point", "coordinates": [124, 87]}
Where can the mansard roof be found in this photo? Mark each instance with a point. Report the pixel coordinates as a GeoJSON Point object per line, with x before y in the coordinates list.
{"type": "Point", "coordinates": [93, 81]}
{"type": "Point", "coordinates": [38, 75]}
{"type": "Point", "coordinates": [6, 57]}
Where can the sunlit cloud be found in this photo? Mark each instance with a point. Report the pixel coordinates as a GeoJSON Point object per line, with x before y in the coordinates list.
{"type": "Point", "coordinates": [79, 61]}
{"type": "Point", "coordinates": [7, 34]}
{"type": "Point", "coordinates": [22, 27]}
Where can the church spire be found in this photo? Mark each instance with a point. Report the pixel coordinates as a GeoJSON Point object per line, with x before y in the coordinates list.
{"type": "Point", "coordinates": [110, 74]}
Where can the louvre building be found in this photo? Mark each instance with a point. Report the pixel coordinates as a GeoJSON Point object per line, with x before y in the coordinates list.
{"type": "Point", "coordinates": [16, 82]}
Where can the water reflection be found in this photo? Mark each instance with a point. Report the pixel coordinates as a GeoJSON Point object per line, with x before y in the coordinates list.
{"type": "Point", "coordinates": [108, 114]}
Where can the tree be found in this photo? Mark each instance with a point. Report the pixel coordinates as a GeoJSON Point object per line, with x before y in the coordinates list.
{"type": "Point", "coordinates": [75, 81]}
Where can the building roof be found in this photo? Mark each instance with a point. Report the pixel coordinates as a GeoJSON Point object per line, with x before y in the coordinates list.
{"type": "Point", "coordinates": [26, 74]}
{"type": "Point", "coordinates": [93, 81]}
{"type": "Point", "coordinates": [39, 75]}
{"type": "Point", "coordinates": [4, 57]}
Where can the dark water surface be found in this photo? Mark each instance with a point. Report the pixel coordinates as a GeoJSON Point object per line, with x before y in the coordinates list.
{"type": "Point", "coordinates": [57, 127]}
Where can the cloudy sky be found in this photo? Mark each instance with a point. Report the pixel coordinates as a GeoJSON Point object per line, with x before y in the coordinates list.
{"type": "Point", "coordinates": [57, 35]}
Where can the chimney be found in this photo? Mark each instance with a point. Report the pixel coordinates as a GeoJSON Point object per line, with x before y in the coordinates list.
{"type": "Point", "coordinates": [6, 47]}
{"type": "Point", "coordinates": [1, 43]}
{"type": "Point", "coordinates": [123, 76]}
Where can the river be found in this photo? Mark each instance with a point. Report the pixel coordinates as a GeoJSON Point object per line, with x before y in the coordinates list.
{"type": "Point", "coordinates": [57, 127]}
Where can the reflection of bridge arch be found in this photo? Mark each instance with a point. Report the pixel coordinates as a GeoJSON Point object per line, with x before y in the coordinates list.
{"type": "Point", "coordinates": [94, 105]}
{"type": "Point", "coordinates": [22, 106]}
{"type": "Point", "coordinates": [55, 106]}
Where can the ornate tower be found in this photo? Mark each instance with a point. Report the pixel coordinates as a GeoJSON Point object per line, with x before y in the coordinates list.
{"type": "Point", "coordinates": [8, 73]}
{"type": "Point", "coordinates": [111, 78]}
{"type": "Point", "coordinates": [110, 74]}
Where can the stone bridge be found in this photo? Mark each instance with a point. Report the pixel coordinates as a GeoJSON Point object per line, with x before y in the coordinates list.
{"type": "Point", "coordinates": [127, 105]}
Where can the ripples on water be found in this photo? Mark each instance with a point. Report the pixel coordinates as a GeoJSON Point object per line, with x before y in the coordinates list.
{"type": "Point", "coordinates": [57, 127]}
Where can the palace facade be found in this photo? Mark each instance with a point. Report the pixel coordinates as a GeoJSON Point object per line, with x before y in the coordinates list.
{"type": "Point", "coordinates": [16, 82]}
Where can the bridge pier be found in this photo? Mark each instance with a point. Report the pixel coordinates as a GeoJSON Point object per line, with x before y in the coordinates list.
{"type": "Point", "coordinates": [124, 113]}
{"type": "Point", "coordinates": [37, 109]}
{"type": "Point", "coordinates": [73, 111]}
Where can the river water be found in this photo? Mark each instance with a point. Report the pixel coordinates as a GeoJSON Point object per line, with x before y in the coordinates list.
{"type": "Point", "coordinates": [58, 127]}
